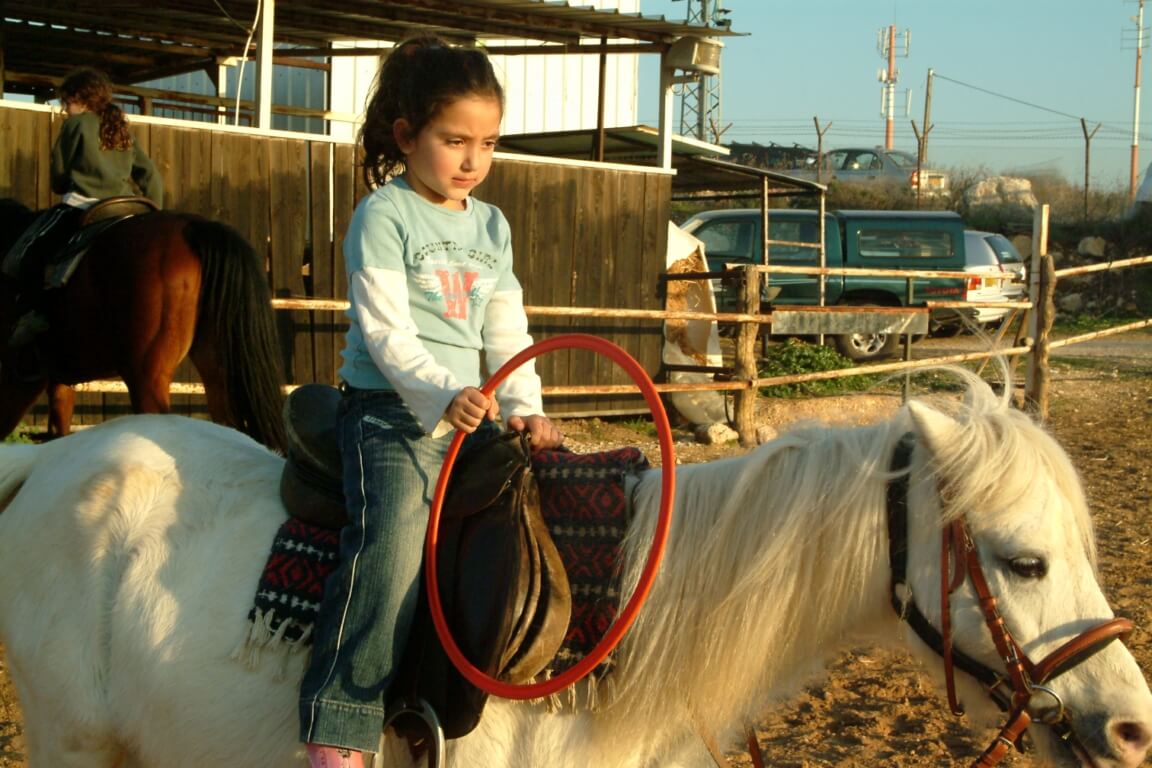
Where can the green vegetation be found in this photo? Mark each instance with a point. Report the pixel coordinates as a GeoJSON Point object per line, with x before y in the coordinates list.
{"type": "Point", "coordinates": [642, 426]}
{"type": "Point", "coordinates": [794, 356]}
{"type": "Point", "coordinates": [1072, 325]}
{"type": "Point", "coordinates": [19, 436]}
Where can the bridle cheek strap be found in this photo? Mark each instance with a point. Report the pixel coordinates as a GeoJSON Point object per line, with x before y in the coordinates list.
{"type": "Point", "coordinates": [952, 574]}
{"type": "Point", "coordinates": [960, 561]}
{"type": "Point", "coordinates": [1023, 676]}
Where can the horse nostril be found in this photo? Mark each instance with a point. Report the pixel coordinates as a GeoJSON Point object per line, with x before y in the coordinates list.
{"type": "Point", "coordinates": [1131, 737]}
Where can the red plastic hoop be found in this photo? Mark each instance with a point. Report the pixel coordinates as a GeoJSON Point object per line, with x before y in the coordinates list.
{"type": "Point", "coordinates": [655, 552]}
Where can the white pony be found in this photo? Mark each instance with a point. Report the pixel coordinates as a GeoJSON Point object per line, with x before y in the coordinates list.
{"type": "Point", "coordinates": [131, 552]}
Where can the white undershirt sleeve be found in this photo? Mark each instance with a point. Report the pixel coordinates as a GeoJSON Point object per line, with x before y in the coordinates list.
{"type": "Point", "coordinates": [380, 298]}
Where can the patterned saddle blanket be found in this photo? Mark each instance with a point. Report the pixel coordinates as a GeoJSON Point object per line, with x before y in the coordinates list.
{"type": "Point", "coordinates": [584, 501]}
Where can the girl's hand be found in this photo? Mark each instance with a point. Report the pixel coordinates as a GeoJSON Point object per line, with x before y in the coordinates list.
{"type": "Point", "coordinates": [542, 433]}
{"type": "Point", "coordinates": [469, 408]}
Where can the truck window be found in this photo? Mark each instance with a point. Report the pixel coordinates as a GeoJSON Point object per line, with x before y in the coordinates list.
{"type": "Point", "coordinates": [730, 240]}
{"type": "Point", "coordinates": [905, 244]}
{"type": "Point", "coordinates": [796, 232]}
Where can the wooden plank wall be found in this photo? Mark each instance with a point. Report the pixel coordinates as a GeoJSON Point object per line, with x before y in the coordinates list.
{"type": "Point", "coordinates": [587, 238]}
{"type": "Point", "coordinates": [583, 236]}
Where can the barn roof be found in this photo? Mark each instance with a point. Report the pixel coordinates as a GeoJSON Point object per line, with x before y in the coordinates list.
{"type": "Point", "coordinates": [134, 42]}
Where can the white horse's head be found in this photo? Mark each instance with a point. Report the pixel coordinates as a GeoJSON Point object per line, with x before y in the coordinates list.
{"type": "Point", "coordinates": [1010, 487]}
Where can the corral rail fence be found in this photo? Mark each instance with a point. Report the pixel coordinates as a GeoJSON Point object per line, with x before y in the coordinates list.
{"type": "Point", "coordinates": [590, 241]}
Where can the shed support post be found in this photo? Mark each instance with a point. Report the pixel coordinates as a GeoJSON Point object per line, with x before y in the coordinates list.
{"type": "Point", "coordinates": [266, 38]}
{"type": "Point", "coordinates": [667, 103]}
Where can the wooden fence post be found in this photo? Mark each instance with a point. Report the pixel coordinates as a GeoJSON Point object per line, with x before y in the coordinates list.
{"type": "Point", "coordinates": [1036, 394]}
{"type": "Point", "coordinates": [1037, 317]}
{"type": "Point", "coordinates": [744, 362]}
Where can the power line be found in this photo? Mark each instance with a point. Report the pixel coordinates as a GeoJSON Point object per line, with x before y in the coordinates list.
{"type": "Point", "coordinates": [1007, 98]}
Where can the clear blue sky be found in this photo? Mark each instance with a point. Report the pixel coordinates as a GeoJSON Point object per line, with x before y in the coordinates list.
{"type": "Point", "coordinates": [818, 58]}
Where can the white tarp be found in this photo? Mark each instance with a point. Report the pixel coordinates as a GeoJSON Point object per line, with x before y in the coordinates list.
{"type": "Point", "coordinates": [691, 342]}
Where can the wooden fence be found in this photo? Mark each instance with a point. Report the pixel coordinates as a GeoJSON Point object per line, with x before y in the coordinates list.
{"type": "Point", "coordinates": [585, 235]}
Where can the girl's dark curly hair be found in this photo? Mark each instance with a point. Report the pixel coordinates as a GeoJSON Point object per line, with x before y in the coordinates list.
{"type": "Point", "coordinates": [93, 89]}
{"type": "Point", "coordinates": [420, 77]}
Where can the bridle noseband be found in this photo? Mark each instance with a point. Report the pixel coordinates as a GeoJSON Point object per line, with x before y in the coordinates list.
{"type": "Point", "coordinates": [1022, 680]}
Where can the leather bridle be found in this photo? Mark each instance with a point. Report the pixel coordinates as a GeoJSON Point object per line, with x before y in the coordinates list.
{"type": "Point", "coordinates": [1021, 683]}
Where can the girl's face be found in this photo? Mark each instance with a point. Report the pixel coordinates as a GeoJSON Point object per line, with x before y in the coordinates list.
{"type": "Point", "coordinates": [453, 152]}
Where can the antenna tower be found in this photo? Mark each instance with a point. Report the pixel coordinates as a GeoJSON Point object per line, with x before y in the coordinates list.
{"type": "Point", "coordinates": [887, 43]}
{"type": "Point", "coordinates": [1134, 164]}
{"type": "Point", "coordinates": [700, 99]}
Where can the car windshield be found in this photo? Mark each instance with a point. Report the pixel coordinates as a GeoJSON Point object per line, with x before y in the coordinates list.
{"type": "Point", "coordinates": [902, 159]}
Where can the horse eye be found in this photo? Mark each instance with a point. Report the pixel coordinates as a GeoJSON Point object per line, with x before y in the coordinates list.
{"type": "Point", "coordinates": [1029, 567]}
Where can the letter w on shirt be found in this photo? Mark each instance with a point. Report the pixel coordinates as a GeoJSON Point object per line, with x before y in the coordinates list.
{"type": "Point", "coordinates": [456, 287]}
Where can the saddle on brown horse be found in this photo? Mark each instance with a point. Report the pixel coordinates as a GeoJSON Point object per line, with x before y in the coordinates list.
{"type": "Point", "coordinates": [46, 254]}
{"type": "Point", "coordinates": [504, 589]}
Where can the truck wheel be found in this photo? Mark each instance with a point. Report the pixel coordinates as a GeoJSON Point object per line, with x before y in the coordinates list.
{"type": "Point", "coordinates": [861, 347]}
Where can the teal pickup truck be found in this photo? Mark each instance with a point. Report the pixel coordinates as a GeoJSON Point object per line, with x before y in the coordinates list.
{"type": "Point", "coordinates": [908, 240]}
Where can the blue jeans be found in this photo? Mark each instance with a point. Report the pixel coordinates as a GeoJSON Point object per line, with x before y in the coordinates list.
{"type": "Point", "coordinates": [390, 473]}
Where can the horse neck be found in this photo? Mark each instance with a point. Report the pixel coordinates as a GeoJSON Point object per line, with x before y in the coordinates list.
{"type": "Point", "coordinates": [776, 560]}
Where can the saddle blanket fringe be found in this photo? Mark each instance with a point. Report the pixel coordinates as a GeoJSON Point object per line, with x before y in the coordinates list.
{"type": "Point", "coordinates": [584, 501]}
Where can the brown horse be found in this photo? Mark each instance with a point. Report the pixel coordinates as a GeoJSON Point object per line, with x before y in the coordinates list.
{"type": "Point", "coordinates": [152, 290]}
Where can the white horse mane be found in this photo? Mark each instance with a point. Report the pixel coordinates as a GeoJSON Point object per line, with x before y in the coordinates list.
{"type": "Point", "coordinates": [812, 497]}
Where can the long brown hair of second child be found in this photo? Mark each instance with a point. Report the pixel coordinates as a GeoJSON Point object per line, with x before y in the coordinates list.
{"type": "Point", "coordinates": [92, 89]}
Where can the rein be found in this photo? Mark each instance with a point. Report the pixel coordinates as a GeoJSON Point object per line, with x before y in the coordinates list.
{"type": "Point", "coordinates": [1022, 681]}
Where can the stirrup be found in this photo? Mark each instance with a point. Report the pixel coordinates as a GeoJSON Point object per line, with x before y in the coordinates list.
{"type": "Point", "coordinates": [423, 710]}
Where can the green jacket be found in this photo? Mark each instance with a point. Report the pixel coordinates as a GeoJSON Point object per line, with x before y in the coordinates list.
{"type": "Point", "coordinates": [78, 164]}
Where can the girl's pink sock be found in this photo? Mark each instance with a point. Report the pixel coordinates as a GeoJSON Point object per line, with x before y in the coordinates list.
{"type": "Point", "coordinates": [334, 757]}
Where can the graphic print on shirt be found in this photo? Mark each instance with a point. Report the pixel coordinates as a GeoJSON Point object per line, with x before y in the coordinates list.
{"type": "Point", "coordinates": [455, 290]}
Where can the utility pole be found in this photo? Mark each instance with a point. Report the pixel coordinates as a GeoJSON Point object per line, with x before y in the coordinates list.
{"type": "Point", "coordinates": [922, 138]}
{"type": "Point", "coordinates": [700, 100]}
{"type": "Point", "coordinates": [820, 148]}
{"type": "Point", "coordinates": [886, 42]}
{"type": "Point", "coordinates": [1134, 169]}
{"type": "Point", "coordinates": [1087, 158]}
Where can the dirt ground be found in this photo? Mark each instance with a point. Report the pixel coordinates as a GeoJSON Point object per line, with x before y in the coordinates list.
{"type": "Point", "coordinates": [875, 708]}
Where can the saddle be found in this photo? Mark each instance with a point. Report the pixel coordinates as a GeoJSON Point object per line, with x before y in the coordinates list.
{"type": "Point", "coordinates": [49, 251]}
{"type": "Point", "coordinates": [95, 220]}
{"type": "Point", "coordinates": [504, 589]}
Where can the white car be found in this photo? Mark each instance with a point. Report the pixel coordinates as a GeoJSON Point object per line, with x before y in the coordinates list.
{"type": "Point", "coordinates": [877, 164]}
{"type": "Point", "coordinates": [998, 274]}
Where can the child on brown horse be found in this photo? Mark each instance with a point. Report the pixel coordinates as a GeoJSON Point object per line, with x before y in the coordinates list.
{"type": "Point", "coordinates": [94, 157]}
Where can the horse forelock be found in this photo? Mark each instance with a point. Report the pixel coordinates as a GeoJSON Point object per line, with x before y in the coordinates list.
{"type": "Point", "coordinates": [1000, 463]}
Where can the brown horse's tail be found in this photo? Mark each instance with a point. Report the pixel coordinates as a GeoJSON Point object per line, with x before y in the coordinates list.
{"type": "Point", "coordinates": [236, 310]}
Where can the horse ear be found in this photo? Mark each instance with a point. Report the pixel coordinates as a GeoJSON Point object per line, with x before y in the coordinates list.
{"type": "Point", "coordinates": [933, 427]}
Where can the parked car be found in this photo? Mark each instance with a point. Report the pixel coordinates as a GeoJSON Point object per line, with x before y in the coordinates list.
{"type": "Point", "coordinates": [878, 164]}
{"type": "Point", "coordinates": [998, 275]}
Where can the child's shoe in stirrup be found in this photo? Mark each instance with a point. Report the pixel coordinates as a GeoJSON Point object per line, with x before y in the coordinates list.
{"type": "Point", "coordinates": [334, 757]}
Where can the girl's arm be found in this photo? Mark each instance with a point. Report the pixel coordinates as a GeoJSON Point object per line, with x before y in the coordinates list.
{"type": "Point", "coordinates": [380, 301]}
{"type": "Point", "coordinates": [505, 335]}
